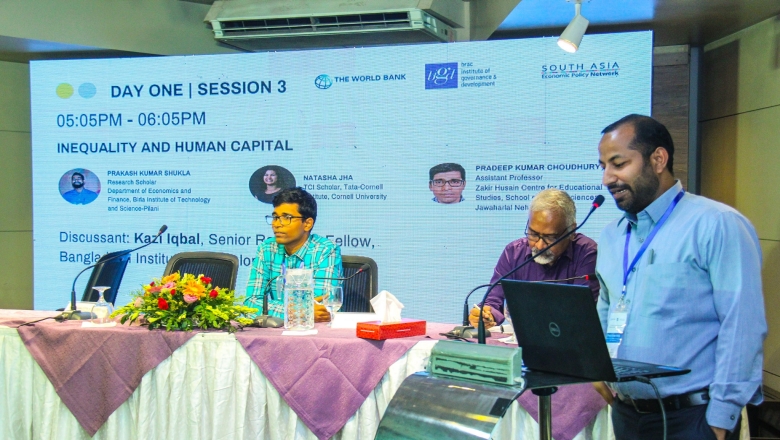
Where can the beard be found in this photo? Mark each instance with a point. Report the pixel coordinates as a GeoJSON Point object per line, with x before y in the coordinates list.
{"type": "Point", "coordinates": [640, 194]}
{"type": "Point", "coordinates": [547, 257]}
{"type": "Point", "coordinates": [77, 185]}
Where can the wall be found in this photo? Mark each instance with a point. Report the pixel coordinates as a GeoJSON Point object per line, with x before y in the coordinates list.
{"type": "Point", "coordinates": [16, 191]}
{"type": "Point", "coordinates": [740, 151]}
{"type": "Point", "coordinates": [163, 27]}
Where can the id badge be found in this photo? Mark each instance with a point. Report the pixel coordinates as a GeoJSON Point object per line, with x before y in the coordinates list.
{"type": "Point", "coordinates": [615, 327]}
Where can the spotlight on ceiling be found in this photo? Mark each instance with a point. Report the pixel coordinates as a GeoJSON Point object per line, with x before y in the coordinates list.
{"type": "Point", "coordinates": [572, 36]}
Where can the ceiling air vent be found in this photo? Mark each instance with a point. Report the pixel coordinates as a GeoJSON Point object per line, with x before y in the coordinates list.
{"type": "Point", "coordinates": [270, 25]}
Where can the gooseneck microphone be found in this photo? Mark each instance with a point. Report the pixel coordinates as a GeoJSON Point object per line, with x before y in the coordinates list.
{"type": "Point", "coordinates": [76, 315]}
{"type": "Point", "coordinates": [597, 201]}
{"type": "Point", "coordinates": [362, 268]}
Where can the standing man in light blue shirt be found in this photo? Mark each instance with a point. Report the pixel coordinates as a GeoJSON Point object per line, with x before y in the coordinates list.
{"type": "Point", "coordinates": [685, 271]}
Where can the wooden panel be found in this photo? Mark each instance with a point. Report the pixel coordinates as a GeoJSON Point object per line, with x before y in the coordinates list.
{"type": "Point", "coordinates": [14, 97]}
{"type": "Point", "coordinates": [16, 191]}
{"type": "Point", "coordinates": [771, 280]}
{"type": "Point", "coordinates": [670, 107]}
{"type": "Point", "coordinates": [757, 186]}
{"type": "Point", "coordinates": [759, 66]}
{"type": "Point", "coordinates": [16, 273]}
{"type": "Point", "coordinates": [719, 160]}
{"type": "Point", "coordinates": [720, 81]}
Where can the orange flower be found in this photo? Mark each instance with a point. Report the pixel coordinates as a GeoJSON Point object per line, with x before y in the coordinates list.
{"type": "Point", "coordinates": [172, 277]}
{"type": "Point", "coordinates": [194, 288]}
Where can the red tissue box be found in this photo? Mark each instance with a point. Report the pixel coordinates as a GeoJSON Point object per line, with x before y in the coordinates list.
{"type": "Point", "coordinates": [377, 330]}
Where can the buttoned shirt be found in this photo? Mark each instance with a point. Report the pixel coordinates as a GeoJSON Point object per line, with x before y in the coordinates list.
{"type": "Point", "coordinates": [695, 301]}
{"type": "Point", "coordinates": [577, 260]}
{"type": "Point", "coordinates": [318, 253]}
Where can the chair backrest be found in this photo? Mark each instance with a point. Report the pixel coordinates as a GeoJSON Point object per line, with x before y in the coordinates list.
{"type": "Point", "coordinates": [359, 290]}
{"type": "Point", "coordinates": [222, 268]}
{"type": "Point", "coordinates": [106, 274]}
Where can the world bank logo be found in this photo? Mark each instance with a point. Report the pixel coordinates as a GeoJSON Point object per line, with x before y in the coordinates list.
{"type": "Point", "coordinates": [323, 82]}
{"type": "Point", "coordinates": [86, 90]}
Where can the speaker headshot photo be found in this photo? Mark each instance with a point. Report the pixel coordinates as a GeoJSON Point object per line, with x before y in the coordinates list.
{"type": "Point", "coordinates": [79, 186]}
{"type": "Point", "coordinates": [268, 181]}
{"type": "Point", "coordinates": [447, 182]}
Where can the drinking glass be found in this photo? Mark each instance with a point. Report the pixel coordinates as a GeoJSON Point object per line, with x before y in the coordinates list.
{"type": "Point", "coordinates": [102, 309]}
{"type": "Point", "coordinates": [334, 296]}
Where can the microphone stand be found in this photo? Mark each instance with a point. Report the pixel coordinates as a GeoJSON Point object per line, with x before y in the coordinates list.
{"type": "Point", "coordinates": [77, 315]}
{"type": "Point", "coordinates": [265, 320]}
{"type": "Point", "coordinates": [467, 328]}
{"type": "Point", "coordinates": [481, 324]}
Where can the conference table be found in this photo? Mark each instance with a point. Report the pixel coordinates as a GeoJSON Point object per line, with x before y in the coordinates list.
{"type": "Point", "coordinates": [62, 380]}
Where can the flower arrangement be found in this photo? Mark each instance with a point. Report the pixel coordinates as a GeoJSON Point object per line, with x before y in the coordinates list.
{"type": "Point", "coordinates": [185, 302]}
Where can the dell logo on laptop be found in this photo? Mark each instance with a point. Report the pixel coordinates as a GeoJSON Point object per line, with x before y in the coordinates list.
{"type": "Point", "coordinates": [554, 329]}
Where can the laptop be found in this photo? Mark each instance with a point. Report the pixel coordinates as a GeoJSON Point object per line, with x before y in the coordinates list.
{"type": "Point", "coordinates": [559, 330]}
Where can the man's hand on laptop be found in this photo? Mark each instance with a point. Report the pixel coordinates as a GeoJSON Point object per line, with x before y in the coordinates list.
{"type": "Point", "coordinates": [487, 317]}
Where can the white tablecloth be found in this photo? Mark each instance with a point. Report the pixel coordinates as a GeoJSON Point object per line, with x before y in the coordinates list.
{"type": "Point", "coordinates": [209, 389]}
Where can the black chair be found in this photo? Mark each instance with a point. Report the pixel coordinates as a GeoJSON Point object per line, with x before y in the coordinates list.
{"type": "Point", "coordinates": [106, 274]}
{"type": "Point", "coordinates": [220, 267]}
{"type": "Point", "coordinates": [359, 290]}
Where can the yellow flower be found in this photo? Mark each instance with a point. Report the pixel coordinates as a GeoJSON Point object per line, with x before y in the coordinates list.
{"type": "Point", "coordinates": [194, 288]}
{"type": "Point", "coordinates": [172, 277]}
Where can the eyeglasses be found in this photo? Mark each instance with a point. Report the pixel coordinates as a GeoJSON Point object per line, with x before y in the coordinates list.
{"type": "Point", "coordinates": [284, 220]}
{"type": "Point", "coordinates": [454, 183]}
{"type": "Point", "coordinates": [534, 236]}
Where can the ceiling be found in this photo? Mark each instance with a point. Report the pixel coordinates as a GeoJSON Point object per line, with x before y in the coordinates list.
{"type": "Point", "coordinates": [674, 22]}
{"type": "Point", "coordinates": [693, 22]}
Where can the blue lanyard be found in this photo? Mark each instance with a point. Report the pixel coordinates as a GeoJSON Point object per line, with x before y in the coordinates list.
{"type": "Point", "coordinates": [626, 268]}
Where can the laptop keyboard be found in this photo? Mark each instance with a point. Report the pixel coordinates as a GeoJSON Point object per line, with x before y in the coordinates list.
{"type": "Point", "coordinates": [625, 370]}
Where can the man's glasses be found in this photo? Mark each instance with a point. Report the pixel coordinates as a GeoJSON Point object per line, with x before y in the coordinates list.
{"type": "Point", "coordinates": [454, 183]}
{"type": "Point", "coordinates": [284, 220]}
{"type": "Point", "coordinates": [534, 236]}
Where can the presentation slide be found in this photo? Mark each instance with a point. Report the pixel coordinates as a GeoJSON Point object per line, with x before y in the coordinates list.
{"type": "Point", "coordinates": [201, 143]}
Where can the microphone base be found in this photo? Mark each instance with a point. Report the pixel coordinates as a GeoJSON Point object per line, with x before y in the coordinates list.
{"type": "Point", "coordinates": [267, 321]}
{"type": "Point", "coordinates": [75, 315]}
{"type": "Point", "coordinates": [467, 331]}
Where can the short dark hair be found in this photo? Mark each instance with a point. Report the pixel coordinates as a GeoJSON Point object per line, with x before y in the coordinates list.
{"type": "Point", "coordinates": [74, 175]}
{"type": "Point", "coordinates": [307, 205]}
{"type": "Point", "coordinates": [649, 134]}
{"type": "Point", "coordinates": [446, 167]}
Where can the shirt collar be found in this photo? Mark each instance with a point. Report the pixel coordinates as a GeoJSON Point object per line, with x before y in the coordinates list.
{"type": "Point", "coordinates": [300, 253]}
{"type": "Point", "coordinates": [656, 209]}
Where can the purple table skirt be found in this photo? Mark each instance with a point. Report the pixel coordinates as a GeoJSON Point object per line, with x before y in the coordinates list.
{"type": "Point", "coordinates": [94, 370]}
{"type": "Point", "coordinates": [324, 378]}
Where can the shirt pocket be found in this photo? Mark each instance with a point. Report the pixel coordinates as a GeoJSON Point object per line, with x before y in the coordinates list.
{"type": "Point", "coordinates": [673, 291]}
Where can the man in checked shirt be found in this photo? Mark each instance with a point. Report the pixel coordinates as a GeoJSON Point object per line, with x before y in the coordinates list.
{"type": "Point", "coordinates": [294, 246]}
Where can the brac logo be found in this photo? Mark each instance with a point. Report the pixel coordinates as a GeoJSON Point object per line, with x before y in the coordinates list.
{"type": "Point", "coordinates": [441, 76]}
{"type": "Point", "coordinates": [323, 82]}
